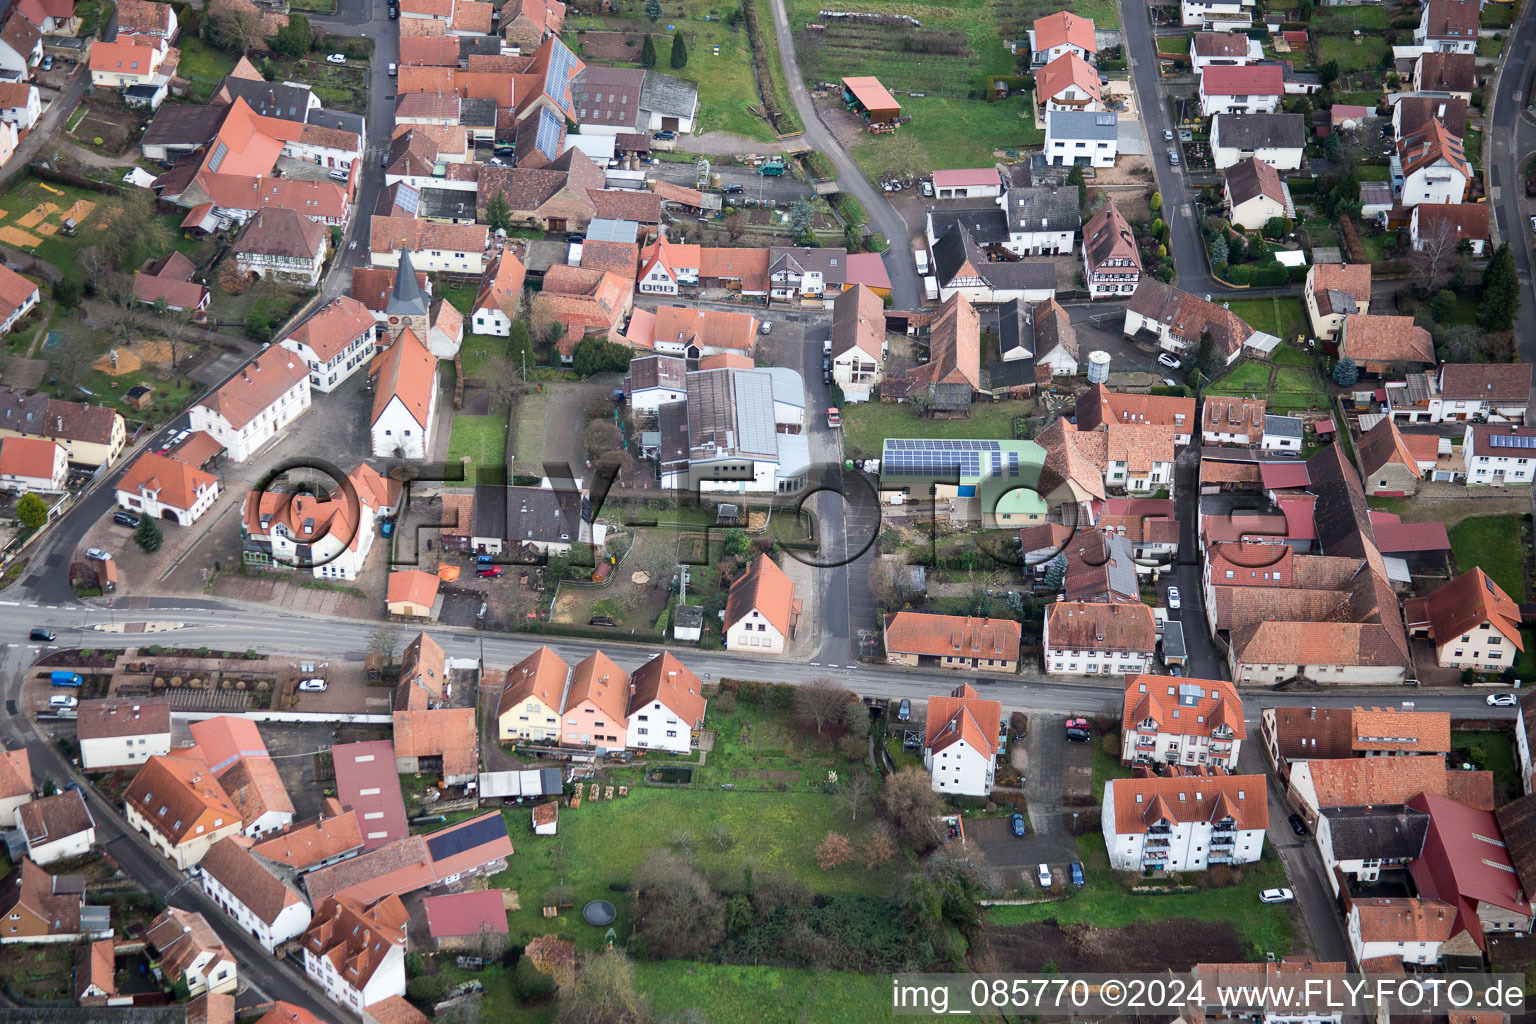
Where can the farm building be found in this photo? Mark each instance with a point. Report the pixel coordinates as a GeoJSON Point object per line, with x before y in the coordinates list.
{"type": "Point", "coordinates": [868, 97]}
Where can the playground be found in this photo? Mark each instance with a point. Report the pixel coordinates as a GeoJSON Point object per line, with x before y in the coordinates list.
{"type": "Point", "coordinates": [47, 218]}
{"type": "Point", "coordinates": [33, 215]}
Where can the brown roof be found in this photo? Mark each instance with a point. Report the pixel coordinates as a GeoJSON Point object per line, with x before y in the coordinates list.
{"type": "Point", "coordinates": [1107, 235]}
{"type": "Point", "coordinates": [542, 674]}
{"type": "Point", "coordinates": [1362, 781]}
{"type": "Point", "coordinates": [55, 817]}
{"type": "Point", "coordinates": [259, 383]}
{"type": "Point", "coordinates": [391, 234]}
{"type": "Point", "coordinates": [1221, 44]}
{"type": "Point", "coordinates": [1385, 339]}
{"type": "Point", "coordinates": [248, 879]}
{"type": "Point", "coordinates": [180, 798]}
{"type": "Point", "coordinates": [1434, 144]}
{"type": "Point", "coordinates": [355, 938]}
{"type": "Point", "coordinates": [1499, 383]}
{"type": "Point", "coordinates": [1460, 220]}
{"type": "Point", "coordinates": [336, 325]}
{"type": "Point", "coordinates": [1139, 803]}
{"type": "Point", "coordinates": [1374, 729]}
{"type": "Point", "coordinates": [282, 232]}
{"type": "Point", "coordinates": [959, 636]}
{"type": "Point", "coordinates": [1071, 456]}
{"type": "Point", "coordinates": [1251, 178]}
{"type": "Point", "coordinates": [412, 586]}
{"type": "Point", "coordinates": [963, 714]}
{"type": "Point", "coordinates": [1307, 733]}
{"type": "Point", "coordinates": [954, 346]}
{"type": "Point", "coordinates": [120, 716]}
{"type": "Point", "coordinates": [1100, 407]}
{"type": "Point", "coordinates": [1053, 327]}
{"type": "Point", "coordinates": [142, 16]}
{"type": "Point", "coordinates": [255, 787]}
{"type": "Point", "coordinates": [307, 843]}
{"type": "Point", "coordinates": [171, 481]}
{"type": "Point", "coordinates": [1469, 601]}
{"type": "Point", "coordinates": [439, 51]}
{"type": "Point", "coordinates": [398, 867]}
{"type": "Point", "coordinates": [179, 937]}
{"type": "Point", "coordinates": [423, 675]}
{"type": "Point", "coordinates": [626, 204]}
{"type": "Point", "coordinates": [668, 680]}
{"type": "Point", "coordinates": [858, 321]}
{"type": "Point", "coordinates": [710, 328]}
{"type": "Point", "coordinates": [1414, 112]}
{"type": "Point", "coordinates": [397, 1009]}
{"type": "Point", "coordinates": [1189, 316]}
{"type": "Point", "coordinates": [15, 773]}
{"type": "Point", "coordinates": [501, 287]}
{"type": "Point", "coordinates": [749, 266]}
{"type": "Point", "coordinates": [1228, 415]}
{"type": "Point", "coordinates": [598, 679]}
{"type": "Point", "coordinates": [1158, 697]}
{"type": "Point", "coordinates": [448, 733]}
{"type": "Point", "coordinates": [1349, 278]}
{"type": "Point", "coordinates": [1384, 444]}
{"type": "Point", "coordinates": [1453, 19]}
{"type": "Point", "coordinates": [1446, 72]}
{"type": "Point", "coordinates": [1078, 625]}
{"type": "Point", "coordinates": [767, 589]}
{"type": "Point", "coordinates": [408, 371]}
{"type": "Point", "coordinates": [1404, 920]}
{"type": "Point", "coordinates": [51, 902]}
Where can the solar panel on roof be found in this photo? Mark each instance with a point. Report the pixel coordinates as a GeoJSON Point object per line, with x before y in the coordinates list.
{"type": "Point", "coordinates": [466, 837]}
{"type": "Point", "coordinates": [562, 64]}
{"type": "Point", "coordinates": [547, 138]}
{"type": "Point", "coordinates": [1512, 441]}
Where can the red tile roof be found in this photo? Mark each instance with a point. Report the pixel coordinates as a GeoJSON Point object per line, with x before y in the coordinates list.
{"type": "Point", "coordinates": [307, 843]}
{"type": "Point", "coordinates": [35, 457]}
{"type": "Point", "coordinates": [1064, 27]}
{"type": "Point", "coordinates": [963, 715]}
{"type": "Point", "coordinates": [335, 326]}
{"type": "Point", "coordinates": [1202, 705]}
{"type": "Point", "coordinates": [766, 588]}
{"type": "Point", "coordinates": [171, 481]}
{"type": "Point", "coordinates": [668, 680]}
{"type": "Point", "coordinates": [407, 371]}
{"type": "Point", "coordinates": [466, 913]}
{"type": "Point", "coordinates": [448, 733]}
{"type": "Point", "coordinates": [262, 381]}
{"type": "Point", "coordinates": [1139, 803]}
{"type": "Point", "coordinates": [1248, 80]}
{"type": "Point", "coordinates": [1065, 71]}
{"type": "Point", "coordinates": [370, 767]}
{"type": "Point", "coordinates": [957, 636]}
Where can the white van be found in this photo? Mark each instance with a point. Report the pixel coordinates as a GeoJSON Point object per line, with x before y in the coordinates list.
{"type": "Point", "coordinates": [921, 255]}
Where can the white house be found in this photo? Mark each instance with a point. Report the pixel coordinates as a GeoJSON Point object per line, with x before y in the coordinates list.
{"type": "Point", "coordinates": [1055, 344]}
{"type": "Point", "coordinates": [122, 733]}
{"type": "Point", "coordinates": [761, 612]}
{"type": "Point", "coordinates": [1184, 823]}
{"type": "Point", "coordinates": [165, 488]}
{"type": "Point", "coordinates": [1111, 261]}
{"type": "Point", "coordinates": [56, 827]}
{"type": "Point", "coordinates": [20, 104]}
{"type": "Point", "coordinates": [1525, 742]}
{"type": "Point", "coordinates": [500, 296]}
{"type": "Point", "coordinates": [1251, 89]}
{"type": "Point", "coordinates": [436, 247]}
{"type": "Point", "coordinates": [666, 267]}
{"type": "Point", "coordinates": [249, 409]}
{"type": "Point", "coordinates": [1255, 194]}
{"type": "Point", "coordinates": [334, 343]}
{"type": "Point", "coordinates": [1463, 392]}
{"type": "Point", "coordinates": [968, 183]}
{"type": "Point", "coordinates": [357, 956]}
{"type": "Point", "coordinates": [1178, 319]}
{"type": "Point", "coordinates": [129, 64]}
{"type": "Point", "coordinates": [666, 706]}
{"type": "Point", "coordinates": [1439, 226]}
{"type": "Point", "coordinates": [187, 950]}
{"type": "Point", "coordinates": [253, 895]}
{"type": "Point", "coordinates": [1434, 166]}
{"type": "Point", "coordinates": [1279, 140]}
{"type": "Point", "coordinates": [1087, 639]}
{"type": "Point", "coordinates": [1496, 454]}
{"type": "Point", "coordinates": [1068, 83]}
{"type": "Point", "coordinates": [1058, 34]}
{"type": "Point", "coordinates": [1409, 929]}
{"type": "Point", "coordinates": [655, 381]}
{"type": "Point", "coordinates": [32, 464]}
{"type": "Point", "coordinates": [179, 806]}
{"type": "Point", "coordinates": [1223, 49]}
{"type": "Point", "coordinates": [1083, 137]}
{"type": "Point", "coordinates": [1471, 622]}
{"type": "Point", "coordinates": [858, 342]}
{"type": "Point", "coordinates": [1188, 721]}
{"type": "Point", "coordinates": [1216, 15]}
{"type": "Point", "coordinates": [17, 294]}
{"type": "Point", "coordinates": [330, 538]}
{"type": "Point", "coordinates": [282, 244]}
{"type": "Point", "coordinates": [1043, 220]}
{"type": "Point", "coordinates": [404, 399]}
{"type": "Point", "coordinates": [1449, 26]}
{"type": "Point", "coordinates": [963, 736]}
{"type": "Point", "coordinates": [21, 45]}
{"type": "Point", "coordinates": [1283, 433]}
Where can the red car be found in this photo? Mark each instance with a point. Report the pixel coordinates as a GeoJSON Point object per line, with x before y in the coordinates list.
{"type": "Point", "coordinates": [489, 573]}
{"type": "Point", "coordinates": [1078, 730]}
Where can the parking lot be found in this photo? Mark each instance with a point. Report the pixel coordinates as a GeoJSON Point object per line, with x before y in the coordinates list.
{"type": "Point", "coordinates": [754, 185]}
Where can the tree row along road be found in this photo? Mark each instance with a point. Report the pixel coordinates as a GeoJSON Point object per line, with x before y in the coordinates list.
{"type": "Point", "coordinates": [210, 623]}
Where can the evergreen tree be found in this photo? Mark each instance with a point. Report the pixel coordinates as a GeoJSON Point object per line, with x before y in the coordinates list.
{"type": "Point", "coordinates": [648, 51]}
{"type": "Point", "coordinates": [1075, 177]}
{"type": "Point", "coordinates": [679, 51]}
{"type": "Point", "coordinates": [1345, 372]}
{"type": "Point", "coordinates": [148, 535]}
{"type": "Point", "coordinates": [31, 510]}
{"type": "Point", "coordinates": [498, 212]}
{"type": "Point", "coordinates": [1501, 292]}
{"type": "Point", "coordinates": [1219, 252]}
{"type": "Point", "coordinates": [519, 344]}
{"type": "Point", "coordinates": [653, 9]}
{"type": "Point", "coordinates": [1056, 573]}
{"type": "Point", "coordinates": [293, 39]}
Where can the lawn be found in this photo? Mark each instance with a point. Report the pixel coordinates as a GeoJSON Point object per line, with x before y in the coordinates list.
{"type": "Point", "coordinates": [1245, 377]}
{"type": "Point", "coordinates": [737, 994]}
{"type": "Point", "coordinates": [727, 83]}
{"type": "Point", "coordinates": [1341, 21]}
{"type": "Point", "coordinates": [956, 133]}
{"type": "Point", "coordinates": [1525, 664]}
{"type": "Point", "coordinates": [1288, 355]}
{"type": "Point", "coordinates": [1365, 55]}
{"type": "Point", "coordinates": [483, 439]}
{"type": "Point", "coordinates": [203, 66]}
{"type": "Point", "coordinates": [1497, 15]}
{"type": "Point", "coordinates": [1285, 318]}
{"type": "Point", "coordinates": [460, 296]}
{"type": "Point", "coordinates": [1489, 47]}
{"type": "Point", "coordinates": [1487, 751]}
{"type": "Point", "coordinates": [1268, 928]}
{"type": "Point", "coordinates": [1493, 543]}
{"type": "Point", "coordinates": [867, 424]}
{"type": "Point", "coordinates": [340, 87]}
{"type": "Point", "coordinates": [1374, 172]}
{"type": "Point", "coordinates": [1106, 766]}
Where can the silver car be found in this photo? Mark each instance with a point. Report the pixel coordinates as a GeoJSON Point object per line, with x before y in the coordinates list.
{"type": "Point", "coordinates": [312, 686]}
{"type": "Point", "coordinates": [1173, 157]}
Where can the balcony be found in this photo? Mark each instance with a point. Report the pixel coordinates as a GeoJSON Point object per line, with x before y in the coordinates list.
{"type": "Point", "coordinates": [1159, 830]}
{"type": "Point", "coordinates": [1157, 843]}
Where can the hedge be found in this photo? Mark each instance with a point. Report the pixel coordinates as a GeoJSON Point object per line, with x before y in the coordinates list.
{"type": "Point", "coordinates": [1238, 275]}
{"type": "Point", "coordinates": [1267, 275]}
{"type": "Point", "coordinates": [1302, 186]}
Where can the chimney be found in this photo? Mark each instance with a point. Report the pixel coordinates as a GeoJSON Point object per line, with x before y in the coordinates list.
{"type": "Point", "coordinates": [1313, 715]}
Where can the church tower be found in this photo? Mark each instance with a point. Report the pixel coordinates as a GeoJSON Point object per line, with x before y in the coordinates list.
{"type": "Point", "coordinates": [408, 305]}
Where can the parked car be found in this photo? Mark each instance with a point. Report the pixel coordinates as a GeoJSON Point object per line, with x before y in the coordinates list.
{"type": "Point", "coordinates": [904, 710]}
{"type": "Point", "coordinates": [336, 58]}
{"type": "Point", "coordinates": [1501, 700]}
{"type": "Point", "coordinates": [98, 555]}
{"type": "Point", "coordinates": [60, 702]}
{"type": "Point", "coordinates": [927, 188]}
{"type": "Point", "coordinates": [394, 11]}
{"type": "Point", "coordinates": [490, 573]}
{"type": "Point", "coordinates": [384, 159]}
{"type": "Point", "coordinates": [1276, 896]}
{"type": "Point", "coordinates": [1173, 598]}
{"type": "Point", "coordinates": [1077, 874]}
{"type": "Point", "coordinates": [1016, 822]}
{"type": "Point", "coordinates": [1164, 359]}
{"type": "Point", "coordinates": [665, 136]}
{"type": "Point", "coordinates": [312, 686]}
{"type": "Point", "coordinates": [47, 64]}
{"type": "Point", "coordinates": [40, 633]}
{"type": "Point", "coordinates": [1043, 876]}
{"type": "Point", "coordinates": [393, 69]}
{"type": "Point", "coordinates": [766, 328]}
{"type": "Point", "coordinates": [602, 620]}
{"type": "Point", "coordinates": [124, 518]}
{"type": "Point", "coordinates": [1168, 134]}
{"type": "Point", "coordinates": [64, 677]}
{"type": "Point", "coordinates": [1297, 824]}
{"type": "Point", "coordinates": [1078, 730]}
{"type": "Point", "coordinates": [734, 188]}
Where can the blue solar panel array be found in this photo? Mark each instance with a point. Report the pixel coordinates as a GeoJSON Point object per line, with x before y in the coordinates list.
{"type": "Point", "coordinates": [407, 198]}
{"type": "Point", "coordinates": [466, 837]}
{"type": "Point", "coordinates": [557, 81]}
{"type": "Point", "coordinates": [1512, 441]}
{"type": "Point", "coordinates": [548, 137]}
{"type": "Point", "coordinates": [905, 457]}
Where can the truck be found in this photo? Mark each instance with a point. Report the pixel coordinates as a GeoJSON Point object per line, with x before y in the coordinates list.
{"type": "Point", "coordinates": [62, 677]}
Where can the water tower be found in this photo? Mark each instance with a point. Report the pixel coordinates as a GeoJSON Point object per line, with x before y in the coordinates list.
{"type": "Point", "coordinates": [1098, 367]}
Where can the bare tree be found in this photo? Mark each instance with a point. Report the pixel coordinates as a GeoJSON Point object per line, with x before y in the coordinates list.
{"type": "Point", "coordinates": [878, 849]}
{"type": "Point", "coordinates": [599, 437]}
{"type": "Point", "coordinates": [605, 992]}
{"type": "Point", "coordinates": [232, 25]}
{"type": "Point", "coordinates": [820, 700]}
{"type": "Point", "coordinates": [912, 806]}
{"type": "Point", "coordinates": [896, 156]}
{"type": "Point", "coordinates": [680, 915]}
{"type": "Point", "coordinates": [386, 643]}
{"type": "Point", "coordinates": [1433, 256]}
{"type": "Point", "coordinates": [853, 794]}
{"type": "Point", "coordinates": [890, 580]}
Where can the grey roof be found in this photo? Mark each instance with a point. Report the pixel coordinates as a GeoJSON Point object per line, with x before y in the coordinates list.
{"type": "Point", "coordinates": [407, 298]}
{"type": "Point", "coordinates": [831, 263]}
{"type": "Point", "coordinates": [1015, 328]}
{"type": "Point", "coordinates": [490, 510]}
{"type": "Point", "coordinates": [286, 100]}
{"type": "Point", "coordinates": [476, 113]}
{"type": "Point", "coordinates": [338, 119]}
{"type": "Point", "coordinates": [178, 125]}
{"type": "Point", "coordinates": [447, 204]}
{"type": "Point", "coordinates": [1088, 125]}
{"type": "Point", "coordinates": [1012, 373]}
{"type": "Point", "coordinates": [646, 372]}
{"type": "Point", "coordinates": [1260, 131]}
{"type": "Point", "coordinates": [606, 229]}
{"type": "Point", "coordinates": [543, 515]}
{"type": "Point", "coordinates": [1044, 208]}
{"type": "Point", "coordinates": [987, 223]}
{"type": "Point", "coordinates": [672, 421]}
{"type": "Point", "coordinates": [1341, 302]}
{"type": "Point", "coordinates": [957, 246]}
{"type": "Point", "coordinates": [788, 385]}
{"type": "Point", "coordinates": [1284, 426]}
{"type": "Point", "coordinates": [688, 616]}
{"type": "Point", "coordinates": [730, 412]}
{"type": "Point", "coordinates": [487, 46]}
{"type": "Point", "coordinates": [1386, 832]}
{"type": "Point", "coordinates": [1173, 640]}
{"type": "Point", "coordinates": [668, 96]}
{"type": "Point", "coordinates": [608, 96]}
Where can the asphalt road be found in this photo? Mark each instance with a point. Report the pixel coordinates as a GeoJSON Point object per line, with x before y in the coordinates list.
{"type": "Point", "coordinates": [906, 290]}
{"type": "Point", "coordinates": [1513, 138]}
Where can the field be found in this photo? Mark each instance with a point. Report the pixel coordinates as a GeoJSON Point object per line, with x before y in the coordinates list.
{"type": "Point", "coordinates": [955, 133]}
{"type": "Point", "coordinates": [1342, 21]}
{"type": "Point", "coordinates": [1102, 903]}
{"type": "Point", "coordinates": [1366, 55]}
{"type": "Point", "coordinates": [867, 424]}
{"type": "Point", "coordinates": [1285, 318]}
{"type": "Point", "coordinates": [734, 994]}
{"type": "Point", "coordinates": [1287, 388]}
{"type": "Point", "coordinates": [727, 84]}
{"type": "Point", "coordinates": [1489, 542]}
{"type": "Point", "coordinates": [482, 438]}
